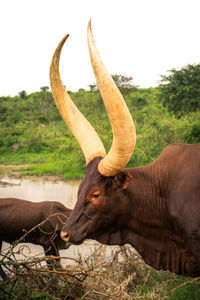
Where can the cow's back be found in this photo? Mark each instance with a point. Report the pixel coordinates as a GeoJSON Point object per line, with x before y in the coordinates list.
{"type": "Point", "coordinates": [16, 217]}
{"type": "Point", "coordinates": [184, 168]}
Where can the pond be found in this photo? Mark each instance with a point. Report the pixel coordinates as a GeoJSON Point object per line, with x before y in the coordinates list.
{"type": "Point", "coordinates": [38, 189]}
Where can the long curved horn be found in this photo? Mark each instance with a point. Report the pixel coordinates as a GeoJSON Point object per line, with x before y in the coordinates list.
{"type": "Point", "coordinates": [85, 134]}
{"type": "Point", "coordinates": [124, 134]}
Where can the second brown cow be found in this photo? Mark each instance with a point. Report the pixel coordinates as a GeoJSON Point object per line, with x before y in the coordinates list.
{"type": "Point", "coordinates": [38, 223]}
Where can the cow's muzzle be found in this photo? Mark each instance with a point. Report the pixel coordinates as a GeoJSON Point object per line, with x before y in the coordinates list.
{"type": "Point", "coordinates": [70, 237]}
{"type": "Point", "coordinates": [65, 236]}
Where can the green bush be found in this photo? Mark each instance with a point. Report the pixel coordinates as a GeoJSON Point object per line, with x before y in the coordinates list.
{"type": "Point", "coordinates": [194, 134]}
{"type": "Point", "coordinates": [37, 147]}
{"type": "Point", "coordinates": [43, 119]}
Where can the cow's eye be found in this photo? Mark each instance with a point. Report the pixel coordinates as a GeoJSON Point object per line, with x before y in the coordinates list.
{"type": "Point", "coordinates": [96, 195]}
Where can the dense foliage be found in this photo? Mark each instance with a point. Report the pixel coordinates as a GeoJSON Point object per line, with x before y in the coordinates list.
{"type": "Point", "coordinates": [32, 131]}
{"type": "Point", "coordinates": [180, 91]}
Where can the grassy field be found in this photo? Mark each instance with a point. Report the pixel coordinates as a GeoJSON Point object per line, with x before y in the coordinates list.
{"type": "Point", "coordinates": [43, 164]}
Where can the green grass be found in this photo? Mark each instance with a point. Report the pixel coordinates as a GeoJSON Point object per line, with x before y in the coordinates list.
{"type": "Point", "coordinates": [156, 286]}
{"type": "Point", "coordinates": [57, 168]}
{"type": "Point", "coordinates": [66, 167]}
{"type": "Point", "coordinates": [167, 286]}
{"type": "Point", "coordinates": [25, 158]}
{"type": "Point", "coordinates": [25, 293]}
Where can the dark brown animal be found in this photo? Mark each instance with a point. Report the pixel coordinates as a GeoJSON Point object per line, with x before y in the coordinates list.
{"type": "Point", "coordinates": [39, 223]}
{"type": "Point", "coordinates": [155, 208]}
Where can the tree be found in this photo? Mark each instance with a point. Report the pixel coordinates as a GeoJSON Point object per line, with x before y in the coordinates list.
{"type": "Point", "coordinates": [44, 88]}
{"type": "Point", "coordinates": [23, 94]}
{"type": "Point", "coordinates": [180, 91]}
{"type": "Point", "coordinates": [93, 87]}
{"type": "Point", "coordinates": [45, 105]}
{"type": "Point", "coordinates": [122, 81]}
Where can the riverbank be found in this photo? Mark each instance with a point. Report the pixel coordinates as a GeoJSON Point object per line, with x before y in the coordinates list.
{"type": "Point", "coordinates": [37, 188]}
{"type": "Point", "coordinates": [44, 164]}
{"type": "Point", "coordinates": [19, 171]}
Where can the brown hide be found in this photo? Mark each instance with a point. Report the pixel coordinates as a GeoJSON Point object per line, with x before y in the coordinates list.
{"type": "Point", "coordinates": [20, 216]}
{"type": "Point", "coordinates": [155, 208]}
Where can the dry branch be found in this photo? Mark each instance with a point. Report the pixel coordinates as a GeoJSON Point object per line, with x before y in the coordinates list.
{"type": "Point", "coordinates": [93, 277]}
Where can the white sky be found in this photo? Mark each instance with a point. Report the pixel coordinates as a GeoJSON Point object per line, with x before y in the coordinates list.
{"type": "Point", "coordinates": [138, 38]}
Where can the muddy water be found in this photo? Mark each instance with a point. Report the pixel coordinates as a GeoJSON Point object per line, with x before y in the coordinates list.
{"type": "Point", "coordinates": [38, 189]}
{"type": "Point", "coordinates": [43, 189]}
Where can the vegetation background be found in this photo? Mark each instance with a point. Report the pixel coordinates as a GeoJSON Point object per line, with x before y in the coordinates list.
{"type": "Point", "coordinates": [33, 132]}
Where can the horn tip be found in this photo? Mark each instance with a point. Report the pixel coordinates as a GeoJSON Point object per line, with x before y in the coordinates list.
{"type": "Point", "coordinates": [64, 40]}
{"type": "Point", "coordinates": [66, 37]}
{"type": "Point", "coordinates": [90, 24]}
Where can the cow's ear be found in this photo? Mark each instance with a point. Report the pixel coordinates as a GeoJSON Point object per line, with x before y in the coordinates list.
{"type": "Point", "coordinates": [121, 180]}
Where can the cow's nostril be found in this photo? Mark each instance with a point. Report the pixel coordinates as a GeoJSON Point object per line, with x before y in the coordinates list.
{"type": "Point", "coordinates": [65, 236]}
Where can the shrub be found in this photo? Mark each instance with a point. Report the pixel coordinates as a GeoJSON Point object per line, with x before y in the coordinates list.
{"type": "Point", "coordinates": [194, 135]}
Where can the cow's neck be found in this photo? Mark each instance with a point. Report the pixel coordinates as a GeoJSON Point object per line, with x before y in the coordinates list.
{"type": "Point", "coordinates": [146, 201]}
{"type": "Point", "coordinates": [148, 193]}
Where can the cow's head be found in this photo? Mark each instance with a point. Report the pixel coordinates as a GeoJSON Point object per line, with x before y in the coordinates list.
{"type": "Point", "coordinates": [102, 202]}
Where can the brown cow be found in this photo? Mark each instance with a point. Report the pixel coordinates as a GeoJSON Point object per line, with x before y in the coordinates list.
{"type": "Point", "coordinates": [155, 208]}
{"type": "Point", "coordinates": [18, 217]}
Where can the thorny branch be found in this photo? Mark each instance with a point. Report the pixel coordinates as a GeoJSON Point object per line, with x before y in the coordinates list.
{"type": "Point", "coordinates": [93, 277]}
